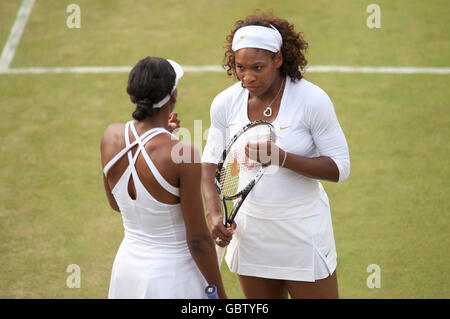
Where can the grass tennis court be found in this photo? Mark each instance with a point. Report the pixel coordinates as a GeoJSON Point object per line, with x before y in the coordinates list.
{"type": "Point", "coordinates": [393, 211]}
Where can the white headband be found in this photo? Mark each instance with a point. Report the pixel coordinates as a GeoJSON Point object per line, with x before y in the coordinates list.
{"type": "Point", "coordinates": [254, 36]}
{"type": "Point", "coordinates": [179, 73]}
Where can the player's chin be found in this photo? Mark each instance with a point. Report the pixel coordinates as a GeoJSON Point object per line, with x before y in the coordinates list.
{"type": "Point", "coordinates": [255, 90]}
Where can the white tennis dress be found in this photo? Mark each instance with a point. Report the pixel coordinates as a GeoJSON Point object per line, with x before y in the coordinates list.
{"type": "Point", "coordinates": [284, 228]}
{"type": "Point", "coordinates": [153, 260]}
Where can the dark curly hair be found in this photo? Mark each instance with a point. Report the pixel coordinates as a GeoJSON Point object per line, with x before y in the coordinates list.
{"type": "Point", "coordinates": [293, 48]}
{"type": "Point", "coordinates": [150, 80]}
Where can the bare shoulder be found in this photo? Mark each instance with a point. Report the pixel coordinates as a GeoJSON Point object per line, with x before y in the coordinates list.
{"type": "Point", "coordinates": [113, 135]}
{"type": "Point", "coordinates": [112, 141]}
{"type": "Point", "coordinates": [185, 154]}
{"type": "Point", "coordinates": [113, 132]}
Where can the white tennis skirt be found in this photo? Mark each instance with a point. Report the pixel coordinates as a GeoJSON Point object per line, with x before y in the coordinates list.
{"type": "Point", "coordinates": [293, 242]}
{"type": "Point", "coordinates": [140, 273]}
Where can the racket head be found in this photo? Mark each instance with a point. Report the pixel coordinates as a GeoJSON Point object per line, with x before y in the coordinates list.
{"type": "Point", "coordinates": [237, 174]}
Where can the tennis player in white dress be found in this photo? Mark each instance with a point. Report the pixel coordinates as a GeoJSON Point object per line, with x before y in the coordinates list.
{"type": "Point", "coordinates": [283, 241]}
{"type": "Point", "coordinates": [167, 251]}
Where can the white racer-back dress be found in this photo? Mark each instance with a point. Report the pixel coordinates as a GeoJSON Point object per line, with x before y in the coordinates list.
{"type": "Point", "coordinates": [153, 260]}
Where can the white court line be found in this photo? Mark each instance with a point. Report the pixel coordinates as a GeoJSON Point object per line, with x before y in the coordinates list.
{"type": "Point", "coordinates": [15, 34]}
{"type": "Point", "coordinates": [76, 69]}
{"type": "Point", "coordinates": [217, 68]}
{"type": "Point", "coordinates": [381, 69]}
{"type": "Point", "coordinates": [101, 69]}
{"type": "Point", "coordinates": [27, 5]}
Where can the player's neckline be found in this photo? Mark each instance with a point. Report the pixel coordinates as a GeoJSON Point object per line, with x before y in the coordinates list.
{"type": "Point", "coordinates": [280, 108]}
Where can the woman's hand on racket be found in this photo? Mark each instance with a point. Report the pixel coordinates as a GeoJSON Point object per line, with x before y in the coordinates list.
{"type": "Point", "coordinates": [266, 153]}
{"type": "Point", "coordinates": [221, 235]}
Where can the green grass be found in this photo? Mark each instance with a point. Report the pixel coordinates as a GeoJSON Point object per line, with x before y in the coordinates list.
{"type": "Point", "coordinates": [122, 32]}
{"type": "Point", "coordinates": [393, 210]}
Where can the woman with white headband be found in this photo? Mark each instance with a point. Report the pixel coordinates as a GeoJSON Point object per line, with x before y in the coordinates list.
{"type": "Point", "coordinates": [167, 251]}
{"type": "Point", "coordinates": [282, 240]}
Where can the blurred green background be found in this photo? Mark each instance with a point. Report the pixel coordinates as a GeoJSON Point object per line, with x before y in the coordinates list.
{"type": "Point", "coordinates": [393, 211]}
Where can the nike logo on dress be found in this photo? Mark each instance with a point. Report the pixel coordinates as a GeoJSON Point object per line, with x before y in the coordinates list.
{"type": "Point", "coordinates": [284, 127]}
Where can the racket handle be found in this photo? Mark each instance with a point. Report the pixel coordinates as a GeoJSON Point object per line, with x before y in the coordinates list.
{"type": "Point", "coordinates": [220, 251]}
{"type": "Point", "coordinates": [211, 292]}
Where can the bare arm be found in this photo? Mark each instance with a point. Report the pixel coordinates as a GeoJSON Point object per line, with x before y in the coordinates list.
{"type": "Point", "coordinates": [106, 156]}
{"type": "Point", "coordinates": [109, 195]}
{"type": "Point", "coordinates": [199, 240]}
{"type": "Point", "coordinates": [322, 167]}
{"type": "Point", "coordinates": [213, 205]}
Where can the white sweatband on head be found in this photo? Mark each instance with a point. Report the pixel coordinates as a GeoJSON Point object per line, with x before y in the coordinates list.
{"type": "Point", "coordinates": [178, 74]}
{"type": "Point", "coordinates": [254, 36]}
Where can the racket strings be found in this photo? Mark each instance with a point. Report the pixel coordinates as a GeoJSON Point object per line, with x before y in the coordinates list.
{"type": "Point", "coordinates": [237, 174]}
{"type": "Point", "coordinates": [238, 170]}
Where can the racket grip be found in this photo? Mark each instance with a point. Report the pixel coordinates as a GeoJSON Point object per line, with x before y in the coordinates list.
{"type": "Point", "coordinates": [220, 251]}
{"type": "Point", "coordinates": [211, 292]}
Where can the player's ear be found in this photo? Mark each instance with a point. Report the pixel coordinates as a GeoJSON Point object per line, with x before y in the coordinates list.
{"type": "Point", "coordinates": [278, 60]}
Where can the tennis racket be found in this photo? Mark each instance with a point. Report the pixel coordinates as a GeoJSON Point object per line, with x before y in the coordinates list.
{"type": "Point", "coordinates": [236, 174]}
